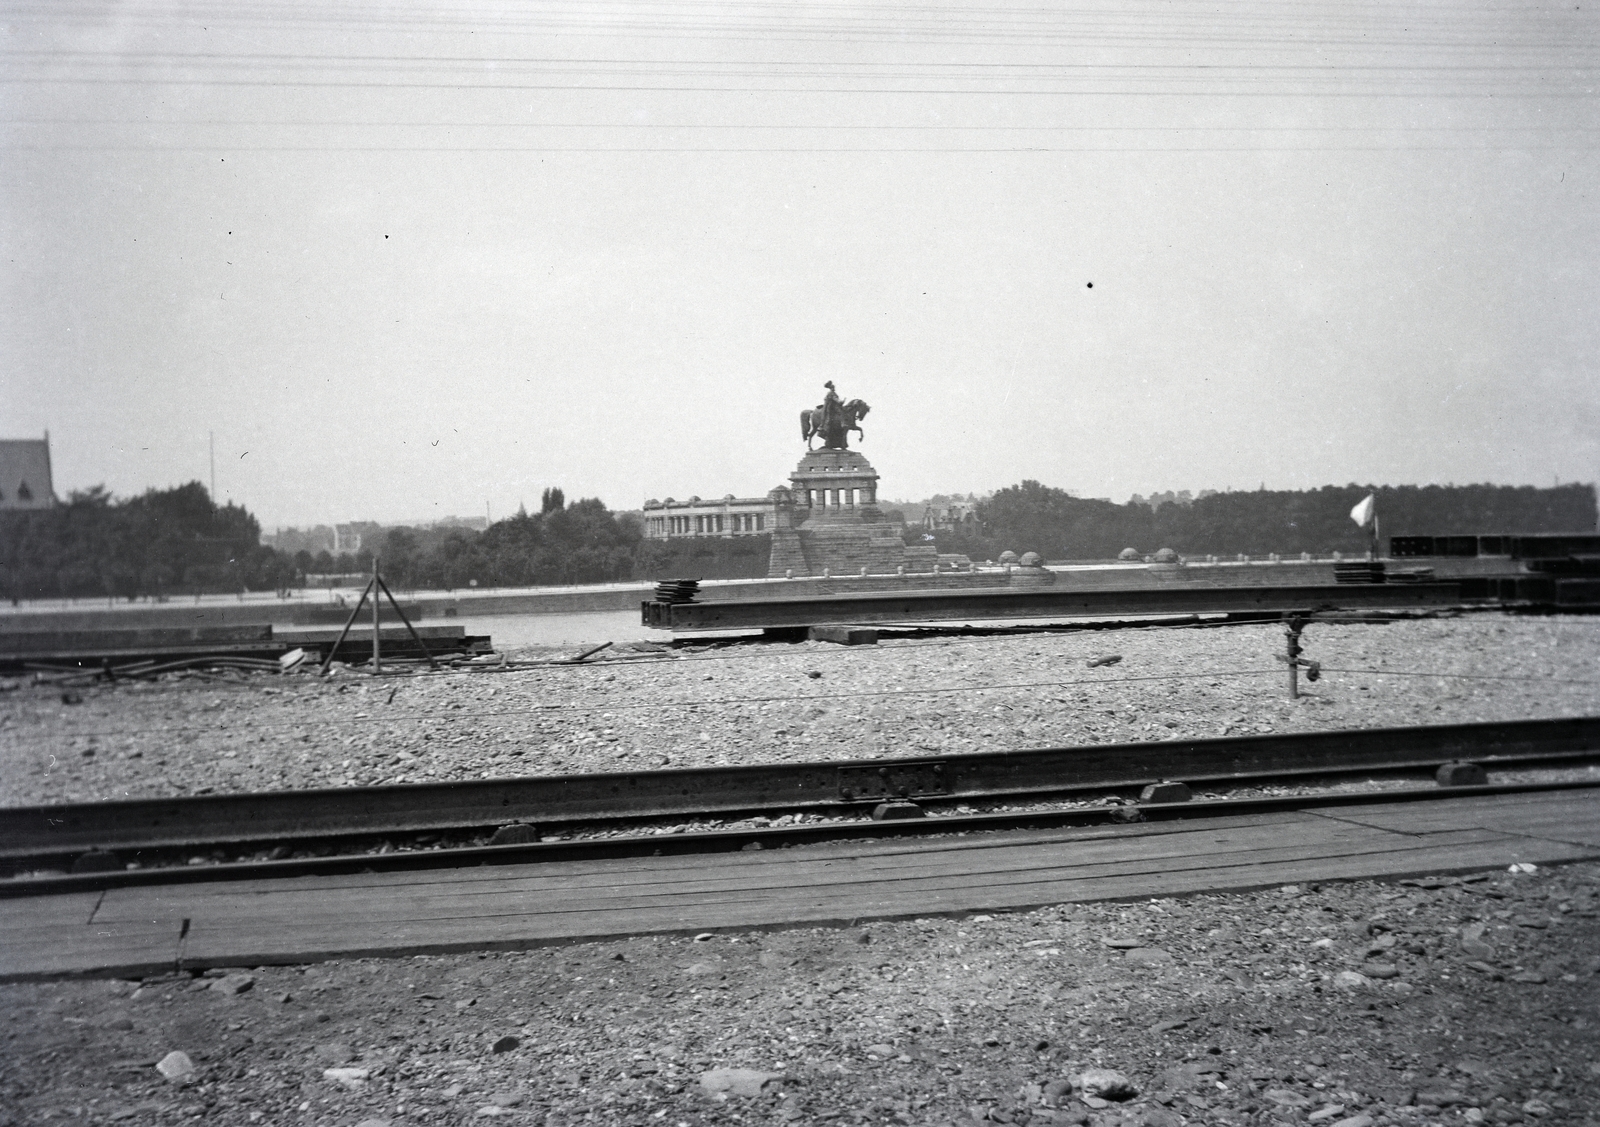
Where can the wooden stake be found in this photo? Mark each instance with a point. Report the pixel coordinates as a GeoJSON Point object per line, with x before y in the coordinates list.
{"type": "Point", "coordinates": [377, 658]}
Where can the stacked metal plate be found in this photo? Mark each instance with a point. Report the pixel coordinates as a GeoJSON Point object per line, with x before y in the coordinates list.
{"type": "Point", "coordinates": [1358, 571]}
{"type": "Point", "coordinates": [677, 590]}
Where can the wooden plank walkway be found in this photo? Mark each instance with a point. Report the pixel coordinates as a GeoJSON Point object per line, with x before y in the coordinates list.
{"type": "Point", "coordinates": [249, 923]}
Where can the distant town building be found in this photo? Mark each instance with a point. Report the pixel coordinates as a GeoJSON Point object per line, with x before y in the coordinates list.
{"type": "Point", "coordinates": [346, 538]}
{"type": "Point", "coordinates": [338, 539]}
{"type": "Point", "coordinates": [477, 524]}
{"type": "Point", "coordinates": [731, 516]}
{"type": "Point", "coordinates": [950, 517]}
{"type": "Point", "coordinates": [1184, 498]}
{"type": "Point", "coordinates": [25, 480]}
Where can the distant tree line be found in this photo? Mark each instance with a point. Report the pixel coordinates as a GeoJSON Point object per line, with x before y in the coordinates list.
{"type": "Point", "coordinates": [583, 542]}
{"type": "Point", "coordinates": [163, 542]}
{"type": "Point", "coordinates": [178, 541]}
{"type": "Point", "coordinates": [1040, 518]}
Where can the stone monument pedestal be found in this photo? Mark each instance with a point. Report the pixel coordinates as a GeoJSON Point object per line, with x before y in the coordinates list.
{"type": "Point", "coordinates": [828, 521]}
{"type": "Point", "coordinates": [835, 487]}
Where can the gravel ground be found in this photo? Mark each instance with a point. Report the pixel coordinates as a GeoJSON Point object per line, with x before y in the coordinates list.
{"type": "Point", "coordinates": [1432, 1002]}
{"type": "Point", "coordinates": [635, 708]}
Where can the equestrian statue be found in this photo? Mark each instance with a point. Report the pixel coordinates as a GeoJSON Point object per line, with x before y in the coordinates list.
{"type": "Point", "coordinates": [833, 419]}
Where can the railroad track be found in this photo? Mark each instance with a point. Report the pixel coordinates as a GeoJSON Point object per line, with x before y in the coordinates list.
{"type": "Point", "coordinates": [85, 846]}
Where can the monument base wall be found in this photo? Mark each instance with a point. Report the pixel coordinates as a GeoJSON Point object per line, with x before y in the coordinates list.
{"type": "Point", "coordinates": [813, 552]}
{"type": "Point", "coordinates": [788, 555]}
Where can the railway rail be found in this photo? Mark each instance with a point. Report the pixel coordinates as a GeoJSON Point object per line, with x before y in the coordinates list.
{"type": "Point", "coordinates": [806, 611]}
{"type": "Point", "coordinates": [90, 845]}
{"type": "Point", "coordinates": [131, 653]}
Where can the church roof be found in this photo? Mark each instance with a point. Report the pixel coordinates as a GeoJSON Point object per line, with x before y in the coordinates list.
{"type": "Point", "coordinates": [25, 481]}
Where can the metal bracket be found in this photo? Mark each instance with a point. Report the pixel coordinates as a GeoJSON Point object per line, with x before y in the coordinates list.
{"type": "Point", "coordinates": [869, 783]}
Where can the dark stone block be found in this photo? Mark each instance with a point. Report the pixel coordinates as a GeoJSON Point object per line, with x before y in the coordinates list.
{"type": "Point", "coordinates": [844, 635]}
{"type": "Point", "coordinates": [1462, 775]}
{"type": "Point", "coordinates": [97, 862]}
{"type": "Point", "coordinates": [1165, 792]}
{"type": "Point", "coordinates": [889, 811]}
{"type": "Point", "coordinates": [517, 833]}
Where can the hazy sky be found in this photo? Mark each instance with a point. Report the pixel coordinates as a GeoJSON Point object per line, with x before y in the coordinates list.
{"type": "Point", "coordinates": [412, 261]}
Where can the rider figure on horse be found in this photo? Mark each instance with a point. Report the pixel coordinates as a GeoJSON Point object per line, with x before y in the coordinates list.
{"type": "Point", "coordinates": [831, 413]}
{"type": "Point", "coordinates": [832, 421]}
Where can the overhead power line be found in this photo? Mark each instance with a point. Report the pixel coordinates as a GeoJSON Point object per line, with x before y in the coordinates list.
{"type": "Point", "coordinates": [1589, 92]}
{"type": "Point", "coordinates": [669, 126]}
{"type": "Point", "coordinates": [346, 149]}
{"type": "Point", "coordinates": [858, 23]}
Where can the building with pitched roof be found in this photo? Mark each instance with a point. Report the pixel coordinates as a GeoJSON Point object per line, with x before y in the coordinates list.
{"type": "Point", "coordinates": [25, 481]}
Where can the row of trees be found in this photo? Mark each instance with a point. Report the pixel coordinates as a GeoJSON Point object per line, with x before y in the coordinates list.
{"type": "Point", "coordinates": [164, 542]}
{"type": "Point", "coordinates": [579, 543]}
{"type": "Point", "coordinates": [1039, 518]}
{"type": "Point", "coordinates": [178, 541]}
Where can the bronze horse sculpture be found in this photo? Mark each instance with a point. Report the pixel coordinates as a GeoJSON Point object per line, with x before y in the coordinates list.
{"type": "Point", "coordinates": [834, 432]}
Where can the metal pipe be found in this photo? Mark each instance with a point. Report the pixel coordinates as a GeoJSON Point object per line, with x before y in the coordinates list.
{"type": "Point", "coordinates": [1292, 633]}
{"type": "Point", "coordinates": [377, 655]}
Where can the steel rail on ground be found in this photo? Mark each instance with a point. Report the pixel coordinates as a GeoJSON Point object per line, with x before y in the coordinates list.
{"type": "Point", "coordinates": [1038, 602]}
{"type": "Point", "coordinates": [34, 835]}
{"type": "Point", "coordinates": [746, 838]}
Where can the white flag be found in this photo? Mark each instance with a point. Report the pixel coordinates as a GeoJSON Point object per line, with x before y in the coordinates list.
{"type": "Point", "coordinates": [1362, 513]}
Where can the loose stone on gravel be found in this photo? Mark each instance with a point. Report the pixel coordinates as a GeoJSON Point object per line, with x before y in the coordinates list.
{"type": "Point", "coordinates": [176, 1067]}
{"type": "Point", "coordinates": [233, 984]}
{"type": "Point", "coordinates": [1284, 1097]}
{"type": "Point", "coordinates": [1160, 1117]}
{"type": "Point", "coordinates": [739, 1081]}
{"type": "Point", "coordinates": [1056, 1092]}
{"type": "Point", "coordinates": [1472, 942]}
{"type": "Point", "coordinates": [334, 1053]}
{"type": "Point", "coordinates": [1106, 1084]}
{"type": "Point", "coordinates": [1148, 957]}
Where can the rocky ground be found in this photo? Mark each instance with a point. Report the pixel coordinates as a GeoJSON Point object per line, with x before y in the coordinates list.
{"type": "Point", "coordinates": [196, 734]}
{"type": "Point", "coordinates": [1352, 1004]}
{"type": "Point", "coordinates": [1357, 1004]}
